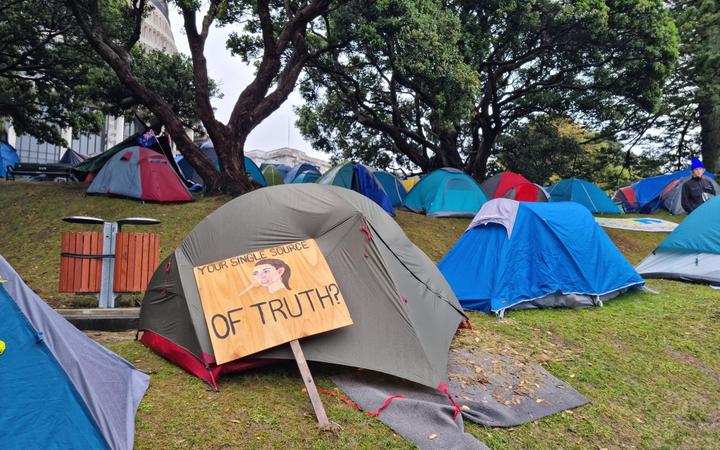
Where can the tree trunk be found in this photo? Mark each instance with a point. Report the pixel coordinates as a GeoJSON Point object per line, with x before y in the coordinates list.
{"type": "Point", "coordinates": [233, 179]}
{"type": "Point", "coordinates": [710, 132]}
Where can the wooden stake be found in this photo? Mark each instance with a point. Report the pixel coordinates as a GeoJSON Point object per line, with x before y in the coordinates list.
{"type": "Point", "coordinates": [310, 385]}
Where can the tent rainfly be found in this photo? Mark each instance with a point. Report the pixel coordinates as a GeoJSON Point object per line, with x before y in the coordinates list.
{"type": "Point", "coordinates": [445, 192]}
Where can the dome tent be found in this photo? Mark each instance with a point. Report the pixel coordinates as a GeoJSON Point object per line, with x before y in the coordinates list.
{"type": "Point", "coordinates": [585, 193]}
{"type": "Point", "coordinates": [513, 186]}
{"type": "Point", "coordinates": [271, 174]}
{"type": "Point", "coordinates": [301, 169]}
{"type": "Point", "coordinates": [404, 313]}
{"type": "Point", "coordinates": [529, 255]}
{"type": "Point", "coordinates": [692, 251]}
{"type": "Point", "coordinates": [8, 157]}
{"type": "Point", "coordinates": [392, 186]}
{"type": "Point", "coordinates": [445, 192]}
{"type": "Point", "coordinates": [360, 179]}
{"type": "Point", "coordinates": [625, 196]}
{"type": "Point", "coordinates": [142, 174]}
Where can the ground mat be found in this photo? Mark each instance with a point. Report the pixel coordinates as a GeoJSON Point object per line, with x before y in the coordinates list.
{"type": "Point", "coordinates": [489, 389]}
{"type": "Point", "coordinates": [638, 224]}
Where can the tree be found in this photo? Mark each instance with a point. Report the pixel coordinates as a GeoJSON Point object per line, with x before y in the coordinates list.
{"type": "Point", "coordinates": [51, 79]}
{"type": "Point", "coordinates": [468, 80]}
{"type": "Point", "coordinates": [547, 149]}
{"type": "Point", "coordinates": [280, 36]}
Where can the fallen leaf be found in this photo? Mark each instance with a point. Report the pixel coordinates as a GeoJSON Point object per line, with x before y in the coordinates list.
{"type": "Point", "coordinates": [235, 421]}
{"type": "Point", "coordinates": [572, 375]}
{"type": "Point", "coordinates": [465, 408]}
{"type": "Point", "coordinates": [432, 436]}
{"type": "Point", "coordinates": [539, 400]}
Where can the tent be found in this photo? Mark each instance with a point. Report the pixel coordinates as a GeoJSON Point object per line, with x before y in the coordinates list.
{"type": "Point", "coordinates": [72, 158]}
{"type": "Point", "coordinates": [360, 179]}
{"type": "Point", "coordinates": [8, 157]}
{"type": "Point", "coordinates": [140, 173]}
{"type": "Point", "coordinates": [272, 175]}
{"type": "Point", "coordinates": [692, 251]}
{"type": "Point", "coordinates": [648, 191]}
{"type": "Point", "coordinates": [59, 388]}
{"type": "Point", "coordinates": [208, 150]}
{"type": "Point", "coordinates": [392, 186]}
{"type": "Point", "coordinates": [517, 255]}
{"type": "Point", "coordinates": [584, 192]}
{"type": "Point", "coordinates": [672, 195]}
{"type": "Point", "coordinates": [298, 170]}
{"type": "Point", "coordinates": [514, 186]}
{"type": "Point", "coordinates": [445, 192]}
{"type": "Point", "coordinates": [404, 313]}
{"type": "Point", "coordinates": [625, 197]}
{"type": "Point", "coordinates": [307, 177]}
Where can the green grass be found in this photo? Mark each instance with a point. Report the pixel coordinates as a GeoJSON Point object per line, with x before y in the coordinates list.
{"type": "Point", "coordinates": [649, 363]}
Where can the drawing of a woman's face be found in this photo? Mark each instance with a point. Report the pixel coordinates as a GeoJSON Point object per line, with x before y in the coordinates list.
{"type": "Point", "coordinates": [267, 275]}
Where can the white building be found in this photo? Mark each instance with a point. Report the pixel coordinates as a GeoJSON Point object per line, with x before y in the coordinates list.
{"type": "Point", "coordinates": [155, 34]}
{"type": "Point", "coordinates": [287, 156]}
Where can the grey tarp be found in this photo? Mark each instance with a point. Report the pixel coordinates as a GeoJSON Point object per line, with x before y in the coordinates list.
{"type": "Point", "coordinates": [490, 389]}
{"type": "Point", "coordinates": [403, 310]}
{"type": "Point", "coordinates": [110, 386]}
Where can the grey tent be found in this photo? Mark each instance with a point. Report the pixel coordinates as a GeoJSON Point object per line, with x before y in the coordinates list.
{"type": "Point", "coordinates": [672, 195]}
{"type": "Point", "coordinates": [403, 310]}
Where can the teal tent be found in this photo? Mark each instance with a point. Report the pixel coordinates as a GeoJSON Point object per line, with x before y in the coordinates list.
{"type": "Point", "coordinates": [392, 186]}
{"type": "Point", "coordinates": [306, 177]}
{"type": "Point", "coordinates": [360, 179]}
{"type": "Point", "coordinates": [584, 192]}
{"type": "Point", "coordinates": [692, 251]}
{"type": "Point", "coordinates": [445, 192]}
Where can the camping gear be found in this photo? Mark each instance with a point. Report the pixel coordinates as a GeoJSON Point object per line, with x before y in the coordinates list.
{"type": "Point", "coordinates": [672, 195]}
{"type": "Point", "coordinates": [208, 150]}
{"type": "Point", "coordinates": [535, 255]}
{"type": "Point", "coordinates": [72, 158]}
{"type": "Point", "coordinates": [513, 186]}
{"type": "Point", "coordinates": [307, 177]}
{"type": "Point", "coordinates": [272, 175]}
{"type": "Point", "coordinates": [585, 193]}
{"type": "Point", "coordinates": [404, 312]}
{"type": "Point", "coordinates": [8, 157]}
{"type": "Point", "coordinates": [625, 197]}
{"type": "Point", "coordinates": [692, 251]}
{"type": "Point", "coordinates": [445, 192]}
{"type": "Point", "coordinates": [298, 170]}
{"type": "Point", "coordinates": [392, 186]}
{"type": "Point", "coordinates": [360, 179]}
{"type": "Point", "coordinates": [495, 390]}
{"type": "Point", "coordinates": [647, 224]}
{"type": "Point", "coordinates": [142, 174]}
{"type": "Point", "coordinates": [59, 388]}
{"type": "Point", "coordinates": [409, 182]}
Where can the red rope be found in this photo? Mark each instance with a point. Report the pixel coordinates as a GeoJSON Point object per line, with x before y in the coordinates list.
{"type": "Point", "coordinates": [442, 387]}
{"type": "Point", "coordinates": [354, 405]}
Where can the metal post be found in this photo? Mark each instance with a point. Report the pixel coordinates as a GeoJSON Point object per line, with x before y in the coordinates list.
{"type": "Point", "coordinates": [106, 298]}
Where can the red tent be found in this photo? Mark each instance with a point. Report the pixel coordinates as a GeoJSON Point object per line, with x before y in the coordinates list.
{"type": "Point", "coordinates": [514, 186]}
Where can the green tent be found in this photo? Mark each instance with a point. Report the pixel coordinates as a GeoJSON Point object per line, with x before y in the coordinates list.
{"type": "Point", "coordinates": [272, 175]}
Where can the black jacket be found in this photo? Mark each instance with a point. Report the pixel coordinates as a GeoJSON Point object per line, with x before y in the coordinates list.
{"type": "Point", "coordinates": [695, 192]}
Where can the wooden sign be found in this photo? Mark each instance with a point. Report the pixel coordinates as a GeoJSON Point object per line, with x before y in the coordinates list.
{"type": "Point", "coordinates": [266, 298]}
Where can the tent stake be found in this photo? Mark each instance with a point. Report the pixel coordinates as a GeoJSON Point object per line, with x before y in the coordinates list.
{"type": "Point", "coordinates": [310, 385]}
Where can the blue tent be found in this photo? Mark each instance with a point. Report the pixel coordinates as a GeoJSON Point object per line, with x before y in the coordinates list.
{"type": "Point", "coordinates": [208, 150]}
{"type": "Point", "coordinates": [59, 388]}
{"type": "Point", "coordinates": [584, 192]}
{"type": "Point", "coordinates": [392, 186]}
{"type": "Point", "coordinates": [360, 179]}
{"type": "Point", "coordinates": [445, 192]}
{"type": "Point", "coordinates": [307, 177]}
{"type": "Point", "coordinates": [8, 157]}
{"type": "Point", "coordinates": [531, 255]}
{"type": "Point", "coordinates": [692, 251]}
{"type": "Point", "coordinates": [648, 191]}
{"type": "Point", "coordinates": [298, 170]}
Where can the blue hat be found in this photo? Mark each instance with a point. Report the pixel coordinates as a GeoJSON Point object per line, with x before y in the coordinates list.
{"type": "Point", "coordinates": [696, 163]}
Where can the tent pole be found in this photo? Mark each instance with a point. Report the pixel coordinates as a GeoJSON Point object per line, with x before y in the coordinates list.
{"type": "Point", "coordinates": [310, 385]}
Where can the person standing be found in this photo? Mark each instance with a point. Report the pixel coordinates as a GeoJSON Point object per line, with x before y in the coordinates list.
{"type": "Point", "coordinates": [698, 189]}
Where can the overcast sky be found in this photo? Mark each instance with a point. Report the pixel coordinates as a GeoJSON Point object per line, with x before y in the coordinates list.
{"type": "Point", "coordinates": [233, 75]}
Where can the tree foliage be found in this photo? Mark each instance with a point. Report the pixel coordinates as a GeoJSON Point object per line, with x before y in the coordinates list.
{"type": "Point", "coordinates": [437, 83]}
{"type": "Point", "coordinates": [279, 37]}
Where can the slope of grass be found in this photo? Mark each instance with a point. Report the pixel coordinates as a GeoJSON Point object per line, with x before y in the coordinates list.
{"type": "Point", "coordinates": [649, 363]}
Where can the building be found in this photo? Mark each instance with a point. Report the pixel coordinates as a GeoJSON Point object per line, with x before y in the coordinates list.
{"type": "Point", "coordinates": [155, 34]}
{"type": "Point", "coordinates": [287, 156]}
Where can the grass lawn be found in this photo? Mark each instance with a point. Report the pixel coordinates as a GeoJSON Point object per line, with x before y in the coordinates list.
{"type": "Point", "coordinates": [649, 363]}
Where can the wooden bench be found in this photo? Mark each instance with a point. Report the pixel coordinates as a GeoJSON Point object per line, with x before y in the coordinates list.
{"type": "Point", "coordinates": [53, 171]}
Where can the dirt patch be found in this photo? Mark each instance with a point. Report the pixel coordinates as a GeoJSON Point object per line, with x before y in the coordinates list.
{"type": "Point", "coordinates": [696, 363]}
{"type": "Point", "coordinates": [110, 337]}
